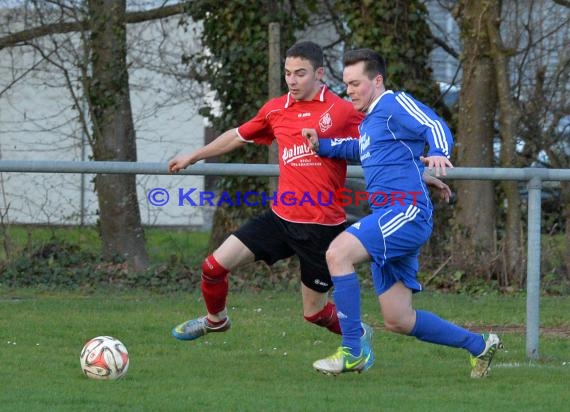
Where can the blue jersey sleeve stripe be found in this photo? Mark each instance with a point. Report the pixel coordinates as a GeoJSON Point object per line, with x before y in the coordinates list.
{"type": "Point", "coordinates": [412, 108]}
{"type": "Point", "coordinates": [438, 131]}
{"type": "Point", "coordinates": [435, 126]}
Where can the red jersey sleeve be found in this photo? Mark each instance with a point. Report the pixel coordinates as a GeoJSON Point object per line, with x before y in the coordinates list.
{"type": "Point", "coordinates": [258, 129]}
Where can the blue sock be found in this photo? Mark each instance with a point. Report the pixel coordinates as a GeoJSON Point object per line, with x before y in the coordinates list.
{"type": "Point", "coordinates": [346, 296]}
{"type": "Point", "coordinates": [431, 328]}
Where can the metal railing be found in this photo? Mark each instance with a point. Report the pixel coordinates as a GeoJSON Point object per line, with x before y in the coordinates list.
{"type": "Point", "coordinates": [533, 176]}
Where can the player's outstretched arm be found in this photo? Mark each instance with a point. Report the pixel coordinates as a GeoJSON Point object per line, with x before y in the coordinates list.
{"type": "Point", "coordinates": [338, 148]}
{"type": "Point", "coordinates": [224, 143]}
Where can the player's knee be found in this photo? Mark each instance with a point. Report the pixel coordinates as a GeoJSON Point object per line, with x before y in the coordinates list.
{"type": "Point", "coordinates": [393, 327]}
{"type": "Point", "coordinates": [334, 256]}
{"type": "Point", "coordinates": [212, 270]}
{"type": "Point", "coordinates": [397, 324]}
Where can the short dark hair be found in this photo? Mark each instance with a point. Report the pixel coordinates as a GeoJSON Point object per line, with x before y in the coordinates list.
{"type": "Point", "coordinates": [374, 64]}
{"type": "Point", "coordinates": [307, 50]}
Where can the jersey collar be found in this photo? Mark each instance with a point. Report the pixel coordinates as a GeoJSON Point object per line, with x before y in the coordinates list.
{"type": "Point", "coordinates": [320, 97]}
{"type": "Point", "coordinates": [375, 102]}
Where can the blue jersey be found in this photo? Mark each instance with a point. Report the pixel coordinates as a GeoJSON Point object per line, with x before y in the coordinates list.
{"type": "Point", "coordinates": [393, 136]}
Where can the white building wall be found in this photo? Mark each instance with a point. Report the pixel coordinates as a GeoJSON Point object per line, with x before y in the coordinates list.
{"type": "Point", "coordinates": [443, 26]}
{"type": "Point", "coordinates": [39, 121]}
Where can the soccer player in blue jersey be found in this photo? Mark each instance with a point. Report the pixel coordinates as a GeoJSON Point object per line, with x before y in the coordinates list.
{"type": "Point", "coordinates": [393, 137]}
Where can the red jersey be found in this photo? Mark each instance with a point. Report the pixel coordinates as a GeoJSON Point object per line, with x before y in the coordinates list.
{"type": "Point", "coordinates": [307, 182]}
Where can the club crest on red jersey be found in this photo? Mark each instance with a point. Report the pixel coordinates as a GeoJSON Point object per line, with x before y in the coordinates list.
{"type": "Point", "coordinates": [325, 122]}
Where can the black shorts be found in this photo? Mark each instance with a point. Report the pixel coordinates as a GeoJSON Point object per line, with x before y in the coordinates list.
{"type": "Point", "coordinates": [271, 238]}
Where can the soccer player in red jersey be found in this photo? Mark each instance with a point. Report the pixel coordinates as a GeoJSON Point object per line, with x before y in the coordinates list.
{"type": "Point", "coordinates": [288, 228]}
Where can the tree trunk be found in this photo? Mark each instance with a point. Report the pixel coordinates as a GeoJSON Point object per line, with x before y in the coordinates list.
{"type": "Point", "coordinates": [114, 136]}
{"type": "Point", "coordinates": [512, 273]}
{"type": "Point", "coordinates": [565, 196]}
{"type": "Point", "coordinates": [476, 210]}
{"type": "Point", "coordinates": [274, 86]}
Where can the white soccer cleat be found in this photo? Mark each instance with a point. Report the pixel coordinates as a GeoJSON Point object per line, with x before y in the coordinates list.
{"type": "Point", "coordinates": [481, 365]}
{"type": "Point", "coordinates": [342, 361]}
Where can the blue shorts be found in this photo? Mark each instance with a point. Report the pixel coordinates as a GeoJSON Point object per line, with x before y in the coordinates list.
{"type": "Point", "coordinates": [393, 238]}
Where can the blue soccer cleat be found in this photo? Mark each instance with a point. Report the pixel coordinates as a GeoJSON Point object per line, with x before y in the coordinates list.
{"type": "Point", "coordinates": [366, 345]}
{"type": "Point", "coordinates": [196, 328]}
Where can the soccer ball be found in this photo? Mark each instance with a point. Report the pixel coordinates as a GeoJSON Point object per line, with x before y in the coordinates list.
{"type": "Point", "coordinates": [104, 357]}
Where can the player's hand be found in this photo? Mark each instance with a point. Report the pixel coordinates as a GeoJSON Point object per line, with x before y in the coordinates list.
{"type": "Point", "coordinates": [179, 163]}
{"type": "Point", "coordinates": [443, 189]}
{"type": "Point", "coordinates": [439, 163]}
{"type": "Point", "coordinates": [313, 137]}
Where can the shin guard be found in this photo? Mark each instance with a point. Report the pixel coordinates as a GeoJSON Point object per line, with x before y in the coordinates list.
{"type": "Point", "coordinates": [214, 285]}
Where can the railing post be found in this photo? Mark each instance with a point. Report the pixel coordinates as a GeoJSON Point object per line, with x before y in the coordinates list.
{"type": "Point", "coordinates": [533, 268]}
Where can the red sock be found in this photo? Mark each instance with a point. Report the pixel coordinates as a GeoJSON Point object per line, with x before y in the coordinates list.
{"type": "Point", "coordinates": [214, 285]}
{"type": "Point", "coordinates": [326, 318]}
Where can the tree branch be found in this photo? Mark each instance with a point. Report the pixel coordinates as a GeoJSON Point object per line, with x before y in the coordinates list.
{"type": "Point", "coordinates": [24, 36]}
{"type": "Point", "coordinates": [564, 3]}
{"type": "Point", "coordinates": [450, 50]}
{"type": "Point", "coordinates": [158, 13]}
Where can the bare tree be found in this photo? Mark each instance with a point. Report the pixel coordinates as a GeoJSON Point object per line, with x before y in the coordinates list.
{"type": "Point", "coordinates": [512, 271]}
{"type": "Point", "coordinates": [539, 38]}
{"type": "Point", "coordinates": [515, 75]}
{"type": "Point", "coordinates": [476, 206]}
{"type": "Point", "coordinates": [113, 132]}
{"type": "Point", "coordinates": [101, 25]}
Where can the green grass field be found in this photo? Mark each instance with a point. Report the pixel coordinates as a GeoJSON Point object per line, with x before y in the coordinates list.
{"type": "Point", "coordinates": [264, 362]}
{"type": "Point", "coordinates": [162, 244]}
